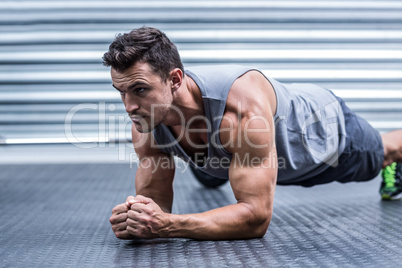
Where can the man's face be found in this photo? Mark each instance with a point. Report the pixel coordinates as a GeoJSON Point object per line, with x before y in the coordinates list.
{"type": "Point", "coordinates": [146, 97]}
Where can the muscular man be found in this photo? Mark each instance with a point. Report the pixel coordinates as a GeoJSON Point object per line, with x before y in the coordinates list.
{"type": "Point", "coordinates": [233, 123]}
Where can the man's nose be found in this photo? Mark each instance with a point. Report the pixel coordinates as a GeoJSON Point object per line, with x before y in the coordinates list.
{"type": "Point", "coordinates": [131, 104]}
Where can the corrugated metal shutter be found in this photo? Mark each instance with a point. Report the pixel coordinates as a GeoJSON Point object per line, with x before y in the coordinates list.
{"type": "Point", "coordinates": [51, 72]}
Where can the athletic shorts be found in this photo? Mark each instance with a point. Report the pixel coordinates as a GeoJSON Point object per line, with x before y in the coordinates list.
{"type": "Point", "coordinates": [363, 155]}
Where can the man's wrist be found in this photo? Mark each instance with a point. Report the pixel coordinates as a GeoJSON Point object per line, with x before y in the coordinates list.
{"type": "Point", "coordinates": [166, 230]}
{"type": "Point", "coordinates": [176, 226]}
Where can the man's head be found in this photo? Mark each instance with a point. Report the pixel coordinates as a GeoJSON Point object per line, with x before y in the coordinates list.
{"type": "Point", "coordinates": [147, 70]}
{"type": "Point", "coordinates": [144, 44]}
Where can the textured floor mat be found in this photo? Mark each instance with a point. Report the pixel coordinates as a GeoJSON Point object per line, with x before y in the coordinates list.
{"type": "Point", "coordinates": [57, 216]}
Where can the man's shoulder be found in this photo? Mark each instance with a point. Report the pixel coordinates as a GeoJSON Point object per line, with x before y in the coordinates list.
{"type": "Point", "coordinates": [213, 68]}
{"type": "Point", "coordinates": [215, 81]}
{"type": "Point", "coordinates": [217, 74]}
{"type": "Point", "coordinates": [251, 93]}
{"type": "Point", "coordinates": [251, 102]}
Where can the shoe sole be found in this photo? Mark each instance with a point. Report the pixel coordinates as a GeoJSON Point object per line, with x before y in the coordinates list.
{"type": "Point", "coordinates": [391, 198]}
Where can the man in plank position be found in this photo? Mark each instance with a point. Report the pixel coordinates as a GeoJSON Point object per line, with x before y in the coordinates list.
{"type": "Point", "coordinates": [233, 123]}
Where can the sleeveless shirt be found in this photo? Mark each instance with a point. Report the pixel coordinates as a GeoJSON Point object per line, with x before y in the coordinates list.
{"type": "Point", "coordinates": [309, 125]}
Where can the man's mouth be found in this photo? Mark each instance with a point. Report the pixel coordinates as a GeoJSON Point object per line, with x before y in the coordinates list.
{"type": "Point", "coordinates": [136, 118]}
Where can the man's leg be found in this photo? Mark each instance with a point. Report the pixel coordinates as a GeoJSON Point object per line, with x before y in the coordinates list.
{"type": "Point", "coordinates": [392, 142]}
{"type": "Point", "coordinates": [391, 186]}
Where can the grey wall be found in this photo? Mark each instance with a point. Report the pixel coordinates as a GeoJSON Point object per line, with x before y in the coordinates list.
{"type": "Point", "coordinates": [50, 56]}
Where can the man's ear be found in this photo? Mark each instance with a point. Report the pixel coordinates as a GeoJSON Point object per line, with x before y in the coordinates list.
{"type": "Point", "coordinates": [176, 78]}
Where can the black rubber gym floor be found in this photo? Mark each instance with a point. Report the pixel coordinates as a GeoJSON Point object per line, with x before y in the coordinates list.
{"type": "Point", "coordinates": [57, 216]}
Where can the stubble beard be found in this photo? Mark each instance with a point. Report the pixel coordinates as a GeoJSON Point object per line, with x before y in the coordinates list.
{"type": "Point", "coordinates": [148, 126]}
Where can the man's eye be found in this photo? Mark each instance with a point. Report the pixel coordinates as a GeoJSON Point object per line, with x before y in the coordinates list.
{"type": "Point", "coordinates": [140, 90]}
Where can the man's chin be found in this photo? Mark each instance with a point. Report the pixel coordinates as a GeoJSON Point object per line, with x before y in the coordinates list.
{"type": "Point", "coordinates": [143, 129]}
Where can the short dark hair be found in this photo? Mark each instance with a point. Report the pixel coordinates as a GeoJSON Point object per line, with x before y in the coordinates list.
{"type": "Point", "coordinates": [145, 44]}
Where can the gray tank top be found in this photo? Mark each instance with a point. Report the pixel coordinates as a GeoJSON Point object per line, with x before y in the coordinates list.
{"type": "Point", "coordinates": [309, 125]}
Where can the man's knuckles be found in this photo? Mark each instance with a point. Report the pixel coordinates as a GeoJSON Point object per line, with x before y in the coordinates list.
{"type": "Point", "coordinates": [143, 199]}
{"type": "Point", "coordinates": [115, 210]}
{"type": "Point", "coordinates": [142, 208]}
{"type": "Point", "coordinates": [140, 232]}
{"type": "Point", "coordinates": [140, 221]}
{"type": "Point", "coordinates": [130, 222]}
{"type": "Point", "coordinates": [115, 219]}
{"type": "Point", "coordinates": [119, 209]}
{"type": "Point", "coordinates": [119, 226]}
{"type": "Point", "coordinates": [122, 234]}
{"type": "Point", "coordinates": [133, 214]}
{"type": "Point", "coordinates": [129, 198]}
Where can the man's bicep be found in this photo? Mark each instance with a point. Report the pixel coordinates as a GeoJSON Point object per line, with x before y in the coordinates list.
{"type": "Point", "coordinates": [253, 180]}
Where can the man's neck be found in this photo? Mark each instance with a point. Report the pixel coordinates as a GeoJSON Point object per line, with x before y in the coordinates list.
{"type": "Point", "coordinates": [187, 104]}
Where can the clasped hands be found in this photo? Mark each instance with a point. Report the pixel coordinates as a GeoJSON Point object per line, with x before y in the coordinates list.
{"type": "Point", "coordinates": [138, 217]}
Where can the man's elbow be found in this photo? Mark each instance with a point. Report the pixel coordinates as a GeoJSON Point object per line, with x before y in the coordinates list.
{"type": "Point", "coordinates": [260, 227]}
{"type": "Point", "coordinates": [258, 223]}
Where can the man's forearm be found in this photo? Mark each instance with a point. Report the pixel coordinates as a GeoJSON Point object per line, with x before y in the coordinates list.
{"type": "Point", "coordinates": [156, 185]}
{"type": "Point", "coordinates": [225, 223]}
{"type": "Point", "coordinates": [159, 189]}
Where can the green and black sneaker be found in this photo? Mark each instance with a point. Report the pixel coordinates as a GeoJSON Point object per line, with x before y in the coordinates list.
{"type": "Point", "coordinates": [391, 186]}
